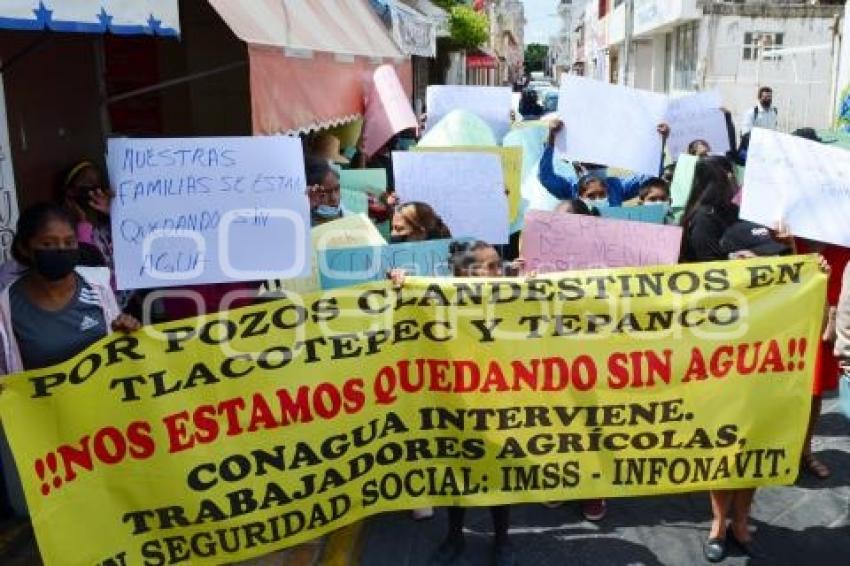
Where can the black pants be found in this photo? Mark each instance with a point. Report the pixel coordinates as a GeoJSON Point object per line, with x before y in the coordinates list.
{"type": "Point", "coordinates": [501, 521]}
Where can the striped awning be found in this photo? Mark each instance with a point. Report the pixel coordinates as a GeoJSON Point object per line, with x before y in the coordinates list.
{"type": "Point", "coordinates": [122, 17]}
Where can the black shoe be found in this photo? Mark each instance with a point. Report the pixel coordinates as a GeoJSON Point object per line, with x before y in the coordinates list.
{"type": "Point", "coordinates": [714, 549]}
{"type": "Point", "coordinates": [448, 552]}
{"type": "Point", "coordinates": [504, 555]}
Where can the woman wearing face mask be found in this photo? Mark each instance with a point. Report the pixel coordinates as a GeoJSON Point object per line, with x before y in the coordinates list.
{"type": "Point", "coordinates": [710, 210]}
{"type": "Point", "coordinates": [323, 190]}
{"type": "Point", "coordinates": [51, 312]}
{"type": "Point", "coordinates": [417, 222]}
{"type": "Point", "coordinates": [616, 190]}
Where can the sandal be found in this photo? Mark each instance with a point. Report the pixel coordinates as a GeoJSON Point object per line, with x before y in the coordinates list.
{"type": "Point", "coordinates": [810, 464]}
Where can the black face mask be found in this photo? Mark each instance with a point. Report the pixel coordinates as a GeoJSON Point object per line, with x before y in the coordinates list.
{"type": "Point", "coordinates": [398, 239]}
{"type": "Point", "coordinates": [54, 265]}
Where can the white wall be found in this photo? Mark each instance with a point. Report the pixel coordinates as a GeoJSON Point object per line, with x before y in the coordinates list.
{"type": "Point", "coordinates": [801, 82]}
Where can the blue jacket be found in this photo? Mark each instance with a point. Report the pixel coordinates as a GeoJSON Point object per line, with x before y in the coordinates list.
{"type": "Point", "coordinates": [619, 190]}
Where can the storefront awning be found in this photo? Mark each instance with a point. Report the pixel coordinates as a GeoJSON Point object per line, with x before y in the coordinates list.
{"type": "Point", "coordinates": [481, 59]}
{"type": "Point", "coordinates": [331, 26]}
{"type": "Point", "coordinates": [122, 17]}
{"type": "Point", "coordinates": [310, 60]}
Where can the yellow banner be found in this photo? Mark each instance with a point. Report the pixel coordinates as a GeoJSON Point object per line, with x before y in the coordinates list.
{"type": "Point", "coordinates": [225, 437]}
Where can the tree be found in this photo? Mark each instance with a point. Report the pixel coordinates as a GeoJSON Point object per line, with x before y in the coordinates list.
{"type": "Point", "coordinates": [535, 57]}
{"type": "Point", "coordinates": [469, 28]}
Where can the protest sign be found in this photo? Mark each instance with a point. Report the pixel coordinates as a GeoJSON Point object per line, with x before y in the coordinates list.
{"type": "Point", "coordinates": [610, 124]}
{"type": "Point", "coordinates": [801, 183]}
{"type": "Point", "coordinates": [554, 242]}
{"type": "Point", "coordinates": [490, 103]}
{"type": "Point", "coordinates": [512, 163]}
{"type": "Point", "coordinates": [347, 232]}
{"type": "Point", "coordinates": [351, 266]}
{"type": "Point", "coordinates": [190, 211]}
{"type": "Point", "coordinates": [271, 425]}
{"type": "Point", "coordinates": [459, 128]}
{"type": "Point", "coordinates": [372, 181]}
{"type": "Point", "coordinates": [683, 180]}
{"type": "Point", "coordinates": [652, 214]}
{"type": "Point", "coordinates": [697, 117]}
{"type": "Point", "coordinates": [467, 190]}
{"type": "Point", "coordinates": [354, 202]}
{"type": "Point", "coordinates": [388, 110]}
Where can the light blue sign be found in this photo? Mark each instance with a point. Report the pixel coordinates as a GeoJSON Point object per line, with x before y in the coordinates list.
{"type": "Point", "coordinates": [351, 266]}
{"type": "Point", "coordinates": [653, 214]}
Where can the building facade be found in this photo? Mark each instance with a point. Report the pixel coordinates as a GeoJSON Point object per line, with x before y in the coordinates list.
{"type": "Point", "coordinates": [682, 46]}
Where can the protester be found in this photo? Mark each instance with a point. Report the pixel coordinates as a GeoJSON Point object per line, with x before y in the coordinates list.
{"type": "Point", "coordinates": [700, 148]}
{"type": "Point", "coordinates": [472, 259]}
{"type": "Point", "coordinates": [763, 115]}
{"type": "Point", "coordinates": [529, 105]}
{"type": "Point", "coordinates": [53, 311]}
{"type": "Point", "coordinates": [710, 210]}
{"type": "Point", "coordinates": [84, 194]}
{"type": "Point", "coordinates": [323, 190]}
{"type": "Point", "coordinates": [417, 222]}
{"type": "Point", "coordinates": [576, 206]}
{"type": "Point", "coordinates": [654, 191]}
{"type": "Point", "coordinates": [742, 240]}
{"type": "Point", "coordinates": [596, 186]}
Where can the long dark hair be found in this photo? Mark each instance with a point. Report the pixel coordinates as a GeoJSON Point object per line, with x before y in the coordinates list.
{"type": "Point", "coordinates": [424, 218]}
{"type": "Point", "coordinates": [31, 222]}
{"type": "Point", "coordinates": [712, 187]}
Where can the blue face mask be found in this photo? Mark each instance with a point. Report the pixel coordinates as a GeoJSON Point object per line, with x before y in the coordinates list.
{"type": "Point", "coordinates": [327, 211]}
{"type": "Point", "coordinates": [596, 203]}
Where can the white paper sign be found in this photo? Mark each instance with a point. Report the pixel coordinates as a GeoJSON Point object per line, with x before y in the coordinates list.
{"type": "Point", "coordinates": [467, 190]}
{"type": "Point", "coordinates": [803, 183]}
{"type": "Point", "coordinates": [610, 124]}
{"type": "Point", "coordinates": [697, 117]}
{"type": "Point", "coordinates": [193, 211]}
{"type": "Point", "coordinates": [490, 103]}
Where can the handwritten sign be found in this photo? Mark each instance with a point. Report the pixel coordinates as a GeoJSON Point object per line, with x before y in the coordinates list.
{"type": "Point", "coordinates": [697, 116]}
{"type": "Point", "coordinates": [351, 266]}
{"type": "Point", "coordinates": [683, 180]}
{"type": "Point", "coordinates": [373, 181]}
{"type": "Point", "coordinates": [511, 169]}
{"type": "Point", "coordinates": [351, 231]}
{"type": "Point", "coordinates": [388, 110]}
{"type": "Point", "coordinates": [610, 124]}
{"type": "Point", "coordinates": [490, 103]}
{"type": "Point", "coordinates": [800, 182]}
{"type": "Point", "coordinates": [652, 214]}
{"type": "Point", "coordinates": [8, 194]}
{"type": "Point", "coordinates": [466, 189]}
{"type": "Point", "coordinates": [208, 210]}
{"type": "Point", "coordinates": [554, 242]}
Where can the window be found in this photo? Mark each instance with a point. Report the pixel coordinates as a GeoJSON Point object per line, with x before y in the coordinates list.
{"type": "Point", "coordinates": [758, 44]}
{"type": "Point", "coordinates": [685, 59]}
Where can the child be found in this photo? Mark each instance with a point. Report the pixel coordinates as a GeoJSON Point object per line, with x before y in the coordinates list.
{"type": "Point", "coordinates": [471, 259]}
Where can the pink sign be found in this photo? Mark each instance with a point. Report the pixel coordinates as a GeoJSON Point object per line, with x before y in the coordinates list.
{"type": "Point", "coordinates": [388, 110]}
{"type": "Point", "coordinates": [554, 241]}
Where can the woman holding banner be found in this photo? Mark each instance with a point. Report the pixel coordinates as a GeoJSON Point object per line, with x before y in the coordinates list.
{"type": "Point", "coordinates": [54, 310]}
